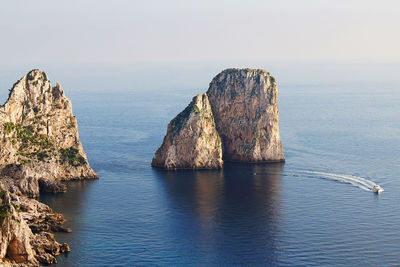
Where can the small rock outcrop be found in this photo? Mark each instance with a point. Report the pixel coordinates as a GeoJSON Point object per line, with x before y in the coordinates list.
{"type": "Point", "coordinates": [192, 141]}
{"type": "Point", "coordinates": [243, 111]}
{"type": "Point", "coordinates": [15, 234]}
{"type": "Point", "coordinates": [26, 236]}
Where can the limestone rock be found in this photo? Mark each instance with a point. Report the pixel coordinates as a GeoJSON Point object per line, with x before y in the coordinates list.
{"type": "Point", "coordinates": [27, 227]}
{"type": "Point", "coordinates": [15, 234]}
{"type": "Point", "coordinates": [192, 141]}
{"type": "Point", "coordinates": [243, 111]}
{"type": "Point", "coordinates": [244, 104]}
{"type": "Point", "coordinates": [39, 132]}
{"type": "Point", "coordinates": [50, 186]}
{"type": "Point", "coordinates": [39, 147]}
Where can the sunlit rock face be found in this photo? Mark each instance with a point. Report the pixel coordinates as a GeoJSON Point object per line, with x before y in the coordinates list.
{"type": "Point", "coordinates": [240, 108]}
{"type": "Point", "coordinates": [192, 141]}
{"type": "Point", "coordinates": [245, 109]}
{"type": "Point", "coordinates": [39, 134]}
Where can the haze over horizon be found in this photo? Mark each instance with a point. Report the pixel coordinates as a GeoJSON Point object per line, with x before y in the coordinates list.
{"type": "Point", "coordinates": [47, 32]}
{"type": "Point", "coordinates": [144, 83]}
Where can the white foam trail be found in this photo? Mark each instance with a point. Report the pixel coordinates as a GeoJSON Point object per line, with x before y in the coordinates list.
{"type": "Point", "coordinates": [353, 180]}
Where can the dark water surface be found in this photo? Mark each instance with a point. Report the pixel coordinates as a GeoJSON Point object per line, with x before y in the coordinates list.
{"type": "Point", "coordinates": [256, 214]}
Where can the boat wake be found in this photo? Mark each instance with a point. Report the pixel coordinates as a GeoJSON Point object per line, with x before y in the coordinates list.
{"type": "Point", "coordinates": [359, 182]}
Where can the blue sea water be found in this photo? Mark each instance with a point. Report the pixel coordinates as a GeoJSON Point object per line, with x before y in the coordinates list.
{"type": "Point", "coordinates": [277, 214]}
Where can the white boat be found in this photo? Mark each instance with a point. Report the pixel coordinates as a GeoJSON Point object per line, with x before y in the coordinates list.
{"type": "Point", "coordinates": [377, 189]}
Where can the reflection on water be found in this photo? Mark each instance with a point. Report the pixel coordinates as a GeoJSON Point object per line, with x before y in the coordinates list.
{"type": "Point", "coordinates": [247, 215]}
{"type": "Point", "coordinates": [72, 204]}
{"type": "Point", "coordinates": [231, 213]}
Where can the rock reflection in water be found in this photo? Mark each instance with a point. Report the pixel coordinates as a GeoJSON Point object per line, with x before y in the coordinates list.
{"type": "Point", "coordinates": [73, 205]}
{"type": "Point", "coordinates": [228, 213]}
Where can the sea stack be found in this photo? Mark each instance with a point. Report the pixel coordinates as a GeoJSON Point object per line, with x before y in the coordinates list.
{"type": "Point", "coordinates": [192, 141]}
{"type": "Point", "coordinates": [245, 107]}
{"type": "Point", "coordinates": [245, 114]}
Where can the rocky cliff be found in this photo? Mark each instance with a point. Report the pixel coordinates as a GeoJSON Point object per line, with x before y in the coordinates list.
{"type": "Point", "coordinates": [38, 134]}
{"type": "Point", "coordinates": [26, 237]}
{"type": "Point", "coordinates": [39, 148]}
{"type": "Point", "coordinates": [245, 107]}
{"type": "Point", "coordinates": [192, 141]}
{"type": "Point", "coordinates": [241, 105]}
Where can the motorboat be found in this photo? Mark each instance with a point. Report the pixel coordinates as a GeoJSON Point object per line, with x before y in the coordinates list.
{"type": "Point", "coordinates": [377, 189]}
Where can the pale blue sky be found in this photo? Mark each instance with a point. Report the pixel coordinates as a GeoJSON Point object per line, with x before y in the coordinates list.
{"type": "Point", "coordinates": [48, 31]}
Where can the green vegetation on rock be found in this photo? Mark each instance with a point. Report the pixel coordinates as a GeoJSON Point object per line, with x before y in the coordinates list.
{"type": "Point", "coordinates": [16, 207]}
{"type": "Point", "coordinates": [8, 127]}
{"type": "Point", "coordinates": [31, 144]}
{"type": "Point", "coordinates": [4, 208]}
{"type": "Point", "coordinates": [72, 157]}
{"type": "Point", "coordinates": [181, 118]}
{"type": "Point", "coordinates": [4, 211]}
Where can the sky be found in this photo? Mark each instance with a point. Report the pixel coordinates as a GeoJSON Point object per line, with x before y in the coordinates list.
{"type": "Point", "coordinates": [118, 31]}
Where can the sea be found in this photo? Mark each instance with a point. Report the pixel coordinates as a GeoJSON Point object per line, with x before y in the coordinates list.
{"type": "Point", "coordinates": [340, 128]}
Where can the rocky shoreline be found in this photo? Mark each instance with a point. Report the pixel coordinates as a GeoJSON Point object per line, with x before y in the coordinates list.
{"type": "Point", "coordinates": [27, 231]}
{"type": "Point", "coordinates": [39, 149]}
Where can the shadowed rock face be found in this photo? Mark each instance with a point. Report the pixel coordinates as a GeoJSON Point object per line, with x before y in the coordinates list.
{"type": "Point", "coordinates": [192, 141]}
{"type": "Point", "coordinates": [26, 233]}
{"type": "Point", "coordinates": [15, 233]}
{"type": "Point", "coordinates": [39, 131]}
{"type": "Point", "coordinates": [243, 111]}
{"type": "Point", "coordinates": [244, 104]}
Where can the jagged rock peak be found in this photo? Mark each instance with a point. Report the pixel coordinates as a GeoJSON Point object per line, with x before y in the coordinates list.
{"type": "Point", "coordinates": [33, 93]}
{"type": "Point", "coordinates": [38, 130]}
{"type": "Point", "coordinates": [192, 141]}
{"type": "Point", "coordinates": [39, 146]}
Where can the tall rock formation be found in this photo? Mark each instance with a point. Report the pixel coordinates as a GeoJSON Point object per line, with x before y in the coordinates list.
{"type": "Point", "coordinates": [38, 133]}
{"type": "Point", "coordinates": [192, 141]}
{"type": "Point", "coordinates": [243, 106]}
{"type": "Point", "coordinates": [39, 147]}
